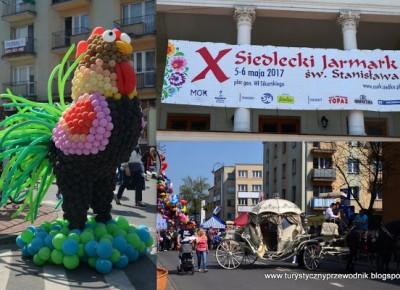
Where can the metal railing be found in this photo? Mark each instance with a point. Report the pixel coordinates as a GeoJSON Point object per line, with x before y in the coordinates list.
{"type": "Point", "coordinates": [145, 80]}
{"type": "Point", "coordinates": [318, 202]}
{"type": "Point", "coordinates": [140, 25]}
{"type": "Point", "coordinates": [63, 39]}
{"type": "Point", "coordinates": [18, 46]}
{"type": "Point", "coordinates": [13, 7]}
{"type": "Point", "coordinates": [24, 88]}
{"type": "Point", "coordinates": [324, 173]}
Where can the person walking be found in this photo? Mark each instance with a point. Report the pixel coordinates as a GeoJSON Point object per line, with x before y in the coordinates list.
{"type": "Point", "coordinates": [132, 178]}
{"type": "Point", "coordinates": [201, 250]}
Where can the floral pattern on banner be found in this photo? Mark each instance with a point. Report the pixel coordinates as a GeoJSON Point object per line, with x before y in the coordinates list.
{"type": "Point", "coordinates": [176, 71]}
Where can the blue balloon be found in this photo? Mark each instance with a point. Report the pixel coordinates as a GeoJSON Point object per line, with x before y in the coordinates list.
{"type": "Point", "coordinates": [32, 250]}
{"type": "Point", "coordinates": [131, 253]}
{"type": "Point", "coordinates": [20, 243]}
{"type": "Point", "coordinates": [104, 249]}
{"type": "Point", "coordinates": [41, 234]}
{"type": "Point", "coordinates": [143, 233]}
{"type": "Point", "coordinates": [76, 231]}
{"type": "Point", "coordinates": [120, 243]}
{"type": "Point", "coordinates": [56, 227]}
{"type": "Point", "coordinates": [122, 263]}
{"type": "Point", "coordinates": [25, 252]}
{"type": "Point", "coordinates": [37, 243]}
{"type": "Point", "coordinates": [48, 242]}
{"type": "Point", "coordinates": [32, 228]}
{"type": "Point", "coordinates": [70, 247]}
{"type": "Point", "coordinates": [90, 248]}
{"type": "Point", "coordinates": [103, 266]}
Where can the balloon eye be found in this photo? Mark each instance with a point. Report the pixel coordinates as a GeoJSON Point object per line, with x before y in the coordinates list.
{"type": "Point", "coordinates": [108, 36]}
{"type": "Point", "coordinates": [125, 38]}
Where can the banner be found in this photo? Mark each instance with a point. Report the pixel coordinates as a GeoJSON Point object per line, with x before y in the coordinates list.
{"type": "Point", "coordinates": [270, 77]}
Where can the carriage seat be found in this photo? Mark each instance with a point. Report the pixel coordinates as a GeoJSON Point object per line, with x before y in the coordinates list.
{"type": "Point", "coordinates": [287, 236]}
{"type": "Point", "coordinates": [329, 229]}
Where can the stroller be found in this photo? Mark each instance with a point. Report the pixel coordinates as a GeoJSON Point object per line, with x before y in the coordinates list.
{"type": "Point", "coordinates": [186, 259]}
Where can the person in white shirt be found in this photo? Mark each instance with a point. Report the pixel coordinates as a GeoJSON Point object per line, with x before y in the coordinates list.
{"type": "Point", "coordinates": [329, 215]}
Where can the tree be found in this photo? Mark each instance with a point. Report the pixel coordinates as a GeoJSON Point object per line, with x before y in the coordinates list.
{"type": "Point", "coordinates": [193, 190]}
{"type": "Point", "coordinates": [360, 164]}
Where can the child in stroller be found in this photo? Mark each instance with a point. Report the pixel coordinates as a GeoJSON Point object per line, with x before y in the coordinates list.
{"type": "Point", "coordinates": [186, 259]}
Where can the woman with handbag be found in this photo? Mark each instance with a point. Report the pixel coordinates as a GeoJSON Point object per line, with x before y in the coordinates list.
{"type": "Point", "coordinates": [132, 178]}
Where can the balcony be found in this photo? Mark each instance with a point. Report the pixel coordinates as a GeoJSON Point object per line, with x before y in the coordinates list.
{"type": "Point", "coordinates": [322, 174]}
{"type": "Point", "coordinates": [15, 12]}
{"type": "Point", "coordinates": [145, 80]}
{"type": "Point", "coordinates": [25, 89]}
{"type": "Point", "coordinates": [245, 208]}
{"type": "Point", "coordinates": [65, 5]}
{"type": "Point", "coordinates": [249, 194]}
{"type": "Point", "coordinates": [321, 203]}
{"type": "Point", "coordinates": [61, 40]}
{"type": "Point", "coordinates": [18, 48]}
{"type": "Point", "coordinates": [323, 148]}
{"type": "Point", "coordinates": [137, 26]}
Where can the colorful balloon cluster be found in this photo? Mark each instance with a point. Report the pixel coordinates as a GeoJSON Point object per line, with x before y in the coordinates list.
{"type": "Point", "coordinates": [102, 246]}
{"type": "Point", "coordinates": [171, 208]}
{"type": "Point", "coordinates": [85, 127]}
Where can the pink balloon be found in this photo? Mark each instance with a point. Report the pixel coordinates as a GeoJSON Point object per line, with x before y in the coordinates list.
{"type": "Point", "coordinates": [90, 138]}
{"type": "Point", "coordinates": [103, 122]}
{"type": "Point", "coordinates": [86, 151]}
{"type": "Point", "coordinates": [101, 130]}
{"type": "Point", "coordinates": [94, 150]}
{"type": "Point", "coordinates": [110, 126]}
{"type": "Point", "coordinates": [107, 134]}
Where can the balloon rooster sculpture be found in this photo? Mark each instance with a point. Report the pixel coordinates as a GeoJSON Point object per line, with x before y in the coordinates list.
{"type": "Point", "coordinates": [80, 145]}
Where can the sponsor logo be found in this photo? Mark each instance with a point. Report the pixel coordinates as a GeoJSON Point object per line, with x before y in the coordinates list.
{"type": "Point", "coordinates": [312, 100]}
{"type": "Point", "coordinates": [267, 98]}
{"type": "Point", "coordinates": [220, 99]}
{"type": "Point", "coordinates": [388, 102]}
{"type": "Point", "coordinates": [247, 98]}
{"type": "Point", "coordinates": [338, 100]}
{"type": "Point", "coordinates": [285, 99]}
{"type": "Point", "coordinates": [198, 93]}
{"type": "Point", "coordinates": [363, 100]}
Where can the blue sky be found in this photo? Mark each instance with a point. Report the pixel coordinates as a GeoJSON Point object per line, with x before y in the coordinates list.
{"type": "Point", "coordinates": [198, 158]}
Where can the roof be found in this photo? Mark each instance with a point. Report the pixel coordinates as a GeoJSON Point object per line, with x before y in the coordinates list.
{"type": "Point", "coordinates": [276, 206]}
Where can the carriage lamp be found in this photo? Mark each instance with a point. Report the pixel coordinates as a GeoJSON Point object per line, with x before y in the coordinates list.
{"type": "Point", "coordinates": [324, 122]}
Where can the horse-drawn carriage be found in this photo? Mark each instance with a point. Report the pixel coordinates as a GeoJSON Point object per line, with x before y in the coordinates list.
{"type": "Point", "coordinates": [275, 232]}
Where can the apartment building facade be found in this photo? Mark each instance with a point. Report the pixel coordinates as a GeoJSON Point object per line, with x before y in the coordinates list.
{"type": "Point", "coordinates": [327, 24]}
{"type": "Point", "coordinates": [236, 189]}
{"type": "Point", "coordinates": [36, 34]}
{"type": "Point", "coordinates": [320, 173]}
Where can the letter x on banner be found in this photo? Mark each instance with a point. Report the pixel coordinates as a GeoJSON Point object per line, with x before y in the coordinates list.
{"type": "Point", "coordinates": [271, 77]}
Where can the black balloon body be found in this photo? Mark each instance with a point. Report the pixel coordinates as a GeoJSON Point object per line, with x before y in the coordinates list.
{"type": "Point", "coordinates": [88, 181]}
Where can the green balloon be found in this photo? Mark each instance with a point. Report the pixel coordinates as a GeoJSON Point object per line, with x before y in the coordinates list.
{"type": "Point", "coordinates": [100, 231]}
{"type": "Point", "coordinates": [37, 260]}
{"type": "Point", "coordinates": [74, 236]}
{"type": "Point", "coordinates": [122, 223]}
{"type": "Point", "coordinates": [81, 250]}
{"type": "Point", "coordinates": [65, 230]}
{"type": "Point", "coordinates": [107, 237]}
{"type": "Point", "coordinates": [120, 232]}
{"type": "Point", "coordinates": [46, 226]}
{"type": "Point", "coordinates": [111, 228]}
{"type": "Point", "coordinates": [131, 229]}
{"type": "Point", "coordinates": [71, 262]}
{"type": "Point", "coordinates": [86, 236]}
{"type": "Point", "coordinates": [44, 253]}
{"type": "Point", "coordinates": [58, 241]}
{"type": "Point", "coordinates": [53, 232]}
{"type": "Point", "coordinates": [57, 257]}
{"type": "Point", "coordinates": [27, 236]}
{"type": "Point", "coordinates": [115, 256]}
{"type": "Point", "coordinates": [134, 240]}
{"type": "Point", "coordinates": [149, 242]}
{"type": "Point", "coordinates": [141, 247]}
{"type": "Point", "coordinates": [92, 262]}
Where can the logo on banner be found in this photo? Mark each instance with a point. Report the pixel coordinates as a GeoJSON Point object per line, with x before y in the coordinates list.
{"type": "Point", "coordinates": [363, 100]}
{"type": "Point", "coordinates": [388, 102]}
{"type": "Point", "coordinates": [212, 65]}
{"type": "Point", "coordinates": [285, 99]}
{"type": "Point", "coordinates": [267, 98]}
{"type": "Point", "coordinates": [338, 100]}
{"type": "Point", "coordinates": [220, 99]}
{"type": "Point", "coordinates": [312, 100]}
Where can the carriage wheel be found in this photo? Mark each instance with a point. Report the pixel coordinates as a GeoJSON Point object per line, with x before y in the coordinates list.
{"type": "Point", "coordinates": [248, 258]}
{"type": "Point", "coordinates": [311, 256]}
{"type": "Point", "coordinates": [229, 254]}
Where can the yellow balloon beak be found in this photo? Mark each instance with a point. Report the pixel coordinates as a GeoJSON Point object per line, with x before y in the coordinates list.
{"type": "Point", "coordinates": [124, 47]}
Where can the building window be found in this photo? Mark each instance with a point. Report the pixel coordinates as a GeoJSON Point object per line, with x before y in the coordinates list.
{"type": "Point", "coordinates": [254, 201]}
{"type": "Point", "coordinates": [322, 163]}
{"type": "Point", "coordinates": [353, 166]}
{"type": "Point", "coordinates": [231, 176]}
{"type": "Point", "coordinates": [135, 13]}
{"type": "Point", "coordinates": [353, 192]}
{"type": "Point", "coordinates": [231, 202]}
{"type": "Point", "coordinates": [256, 187]}
{"type": "Point", "coordinates": [230, 216]}
{"type": "Point", "coordinates": [242, 201]}
{"type": "Point", "coordinates": [23, 80]}
{"type": "Point", "coordinates": [283, 147]}
{"type": "Point", "coordinates": [188, 122]}
{"type": "Point", "coordinates": [375, 126]}
{"type": "Point", "coordinates": [243, 173]}
{"type": "Point", "coordinates": [283, 170]}
{"type": "Point", "coordinates": [257, 174]}
{"type": "Point", "coordinates": [275, 173]}
{"type": "Point", "coordinates": [242, 187]}
{"type": "Point", "coordinates": [294, 192]}
{"type": "Point", "coordinates": [284, 193]}
{"type": "Point", "coordinates": [294, 144]}
{"type": "Point", "coordinates": [145, 67]}
{"type": "Point", "coordinates": [294, 167]}
{"type": "Point", "coordinates": [316, 144]}
{"type": "Point", "coordinates": [80, 24]}
{"type": "Point", "coordinates": [275, 150]}
{"type": "Point", "coordinates": [281, 125]}
{"type": "Point", "coordinates": [318, 189]}
{"type": "Point", "coordinates": [231, 189]}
